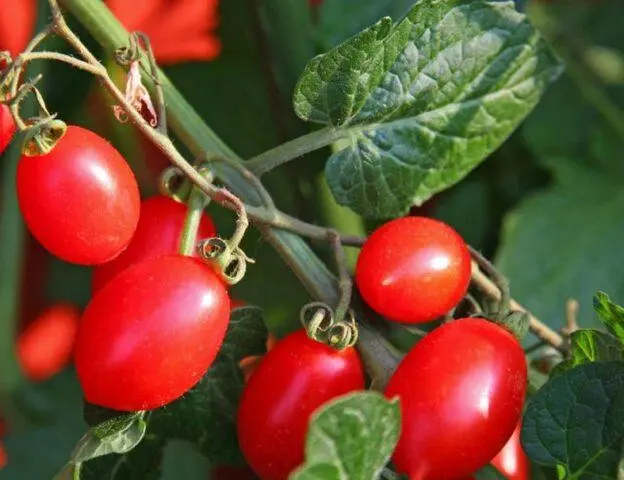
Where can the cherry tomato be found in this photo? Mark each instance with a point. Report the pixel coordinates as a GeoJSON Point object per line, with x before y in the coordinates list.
{"type": "Point", "coordinates": [461, 390]}
{"type": "Point", "coordinates": [81, 200]}
{"type": "Point", "coordinates": [294, 379]}
{"type": "Point", "coordinates": [158, 233]}
{"type": "Point", "coordinates": [511, 461]}
{"type": "Point", "coordinates": [7, 127]}
{"type": "Point", "coordinates": [151, 333]}
{"type": "Point", "coordinates": [413, 269]}
{"type": "Point", "coordinates": [46, 346]}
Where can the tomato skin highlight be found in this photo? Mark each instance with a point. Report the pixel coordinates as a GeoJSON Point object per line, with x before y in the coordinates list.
{"type": "Point", "coordinates": [158, 233]}
{"type": "Point", "coordinates": [512, 461]}
{"type": "Point", "coordinates": [466, 380]}
{"type": "Point", "coordinates": [413, 269]}
{"type": "Point", "coordinates": [292, 380]}
{"type": "Point", "coordinates": [151, 333]}
{"type": "Point", "coordinates": [47, 345]}
{"type": "Point", "coordinates": [80, 201]}
{"type": "Point", "coordinates": [7, 127]}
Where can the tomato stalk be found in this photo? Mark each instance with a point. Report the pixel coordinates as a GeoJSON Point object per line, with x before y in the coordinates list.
{"type": "Point", "coordinates": [197, 201]}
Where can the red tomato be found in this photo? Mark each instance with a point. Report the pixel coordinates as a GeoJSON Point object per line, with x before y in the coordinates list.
{"type": "Point", "coordinates": [461, 390]}
{"type": "Point", "coordinates": [46, 346]}
{"type": "Point", "coordinates": [81, 200]}
{"type": "Point", "coordinates": [413, 269]}
{"type": "Point", "coordinates": [158, 233]}
{"type": "Point", "coordinates": [294, 379]}
{"type": "Point", "coordinates": [224, 472]}
{"type": "Point", "coordinates": [151, 333]}
{"type": "Point", "coordinates": [7, 127]}
{"type": "Point", "coordinates": [511, 461]}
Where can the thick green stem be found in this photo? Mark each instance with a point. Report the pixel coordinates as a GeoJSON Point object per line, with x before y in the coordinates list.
{"type": "Point", "coordinates": [288, 151]}
{"type": "Point", "coordinates": [196, 203]}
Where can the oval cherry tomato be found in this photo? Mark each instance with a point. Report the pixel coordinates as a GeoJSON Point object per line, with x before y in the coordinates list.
{"type": "Point", "coordinates": [7, 127]}
{"type": "Point", "coordinates": [511, 461]}
{"type": "Point", "coordinates": [46, 346]}
{"type": "Point", "coordinates": [151, 333]}
{"type": "Point", "coordinates": [294, 379]}
{"type": "Point", "coordinates": [466, 380]}
{"type": "Point", "coordinates": [158, 233]}
{"type": "Point", "coordinates": [81, 200]}
{"type": "Point", "coordinates": [413, 269]}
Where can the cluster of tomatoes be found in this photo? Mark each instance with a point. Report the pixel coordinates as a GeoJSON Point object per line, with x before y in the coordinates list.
{"type": "Point", "coordinates": [157, 320]}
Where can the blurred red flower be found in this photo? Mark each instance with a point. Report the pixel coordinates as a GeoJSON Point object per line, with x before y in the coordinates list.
{"type": "Point", "coordinates": [180, 30]}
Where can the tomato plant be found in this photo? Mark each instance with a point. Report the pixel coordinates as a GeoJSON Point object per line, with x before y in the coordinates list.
{"type": "Point", "coordinates": [47, 344]}
{"type": "Point", "coordinates": [81, 200]}
{"type": "Point", "coordinates": [7, 127]}
{"type": "Point", "coordinates": [413, 269]}
{"type": "Point", "coordinates": [295, 378]}
{"type": "Point", "coordinates": [150, 333]}
{"type": "Point", "coordinates": [157, 233]}
{"type": "Point", "coordinates": [465, 380]}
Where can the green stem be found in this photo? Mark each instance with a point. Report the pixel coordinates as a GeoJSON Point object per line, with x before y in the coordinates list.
{"type": "Point", "coordinates": [284, 153]}
{"type": "Point", "coordinates": [196, 203]}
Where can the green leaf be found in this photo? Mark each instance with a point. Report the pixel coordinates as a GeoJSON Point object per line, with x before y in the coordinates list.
{"type": "Point", "coordinates": [577, 421]}
{"type": "Point", "coordinates": [116, 441]}
{"type": "Point", "coordinates": [466, 74]}
{"type": "Point", "coordinates": [104, 422]}
{"type": "Point", "coordinates": [335, 86]}
{"type": "Point", "coordinates": [181, 460]}
{"type": "Point", "coordinates": [591, 346]}
{"type": "Point", "coordinates": [204, 416]}
{"type": "Point", "coordinates": [569, 257]}
{"type": "Point", "coordinates": [351, 437]}
{"type": "Point", "coordinates": [612, 315]}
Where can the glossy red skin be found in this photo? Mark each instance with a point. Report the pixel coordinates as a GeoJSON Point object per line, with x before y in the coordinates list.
{"type": "Point", "coordinates": [292, 380]}
{"type": "Point", "coordinates": [413, 269]}
{"type": "Point", "coordinates": [461, 390]}
{"type": "Point", "coordinates": [7, 127]}
{"type": "Point", "coordinates": [151, 333]}
{"type": "Point", "coordinates": [81, 200]}
{"type": "Point", "coordinates": [157, 233]}
{"type": "Point", "coordinates": [511, 461]}
{"type": "Point", "coordinates": [47, 345]}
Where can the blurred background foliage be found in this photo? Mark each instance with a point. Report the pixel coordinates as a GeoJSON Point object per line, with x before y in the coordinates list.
{"type": "Point", "coordinates": [548, 205]}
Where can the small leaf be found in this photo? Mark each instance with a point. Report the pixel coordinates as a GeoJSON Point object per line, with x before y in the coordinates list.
{"type": "Point", "coordinates": [458, 78]}
{"type": "Point", "coordinates": [104, 422]}
{"type": "Point", "coordinates": [577, 421]}
{"type": "Point", "coordinates": [351, 437]}
{"type": "Point", "coordinates": [589, 346]}
{"type": "Point", "coordinates": [121, 441]}
{"type": "Point", "coordinates": [612, 315]}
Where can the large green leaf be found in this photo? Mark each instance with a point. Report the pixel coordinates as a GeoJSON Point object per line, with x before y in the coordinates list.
{"type": "Point", "coordinates": [458, 77]}
{"type": "Point", "coordinates": [564, 243]}
{"type": "Point", "coordinates": [351, 437]}
{"type": "Point", "coordinates": [576, 422]}
{"type": "Point", "coordinates": [204, 416]}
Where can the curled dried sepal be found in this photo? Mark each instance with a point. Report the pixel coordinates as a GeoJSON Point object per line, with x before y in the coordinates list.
{"type": "Point", "coordinates": [517, 323]}
{"type": "Point", "coordinates": [231, 262]}
{"type": "Point", "coordinates": [137, 96]}
{"type": "Point", "coordinates": [42, 137]}
{"type": "Point", "coordinates": [174, 184]}
{"type": "Point", "coordinates": [321, 325]}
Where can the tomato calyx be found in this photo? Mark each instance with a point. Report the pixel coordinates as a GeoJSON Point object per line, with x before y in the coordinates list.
{"type": "Point", "coordinates": [322, 325]}
{"type": "Point", "coordinates": [174, 184]}
{"type": "Point", "coordinates": [42, 137]}
{"type": "Point", "coordinates": [229, 259]}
